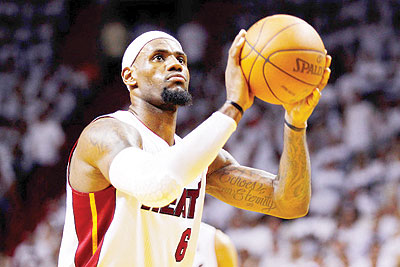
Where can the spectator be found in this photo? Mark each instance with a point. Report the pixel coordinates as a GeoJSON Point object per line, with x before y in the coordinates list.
{"type": "Point", "coordinates": [43, 140]}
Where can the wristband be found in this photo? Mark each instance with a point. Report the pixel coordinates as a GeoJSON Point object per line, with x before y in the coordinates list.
{"type": "Point", "coordinates": [294, 128]}
{"type": "Point", "coordinates": [236, 105]}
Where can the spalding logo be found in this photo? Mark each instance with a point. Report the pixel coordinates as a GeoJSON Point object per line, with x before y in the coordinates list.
{"type": "Point", "coordinates": [303, 66]}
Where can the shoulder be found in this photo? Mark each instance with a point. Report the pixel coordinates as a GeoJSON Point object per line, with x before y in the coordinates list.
{"type": "Point", "coordinates": [97, 146]}
{"type": "Point", "coordinates": [103, 139]}
{"type": "Point", "coordinates": [110, 131]}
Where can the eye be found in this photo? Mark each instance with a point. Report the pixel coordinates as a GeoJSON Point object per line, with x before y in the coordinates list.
{"type": "Point", "coordinates": [158, 57]}
{"type": "Point", "coordinates": [181, 60]}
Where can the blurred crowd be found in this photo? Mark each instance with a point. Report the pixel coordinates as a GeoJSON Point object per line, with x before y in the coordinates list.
{"type": "Point", "coordinates": [353, 135]}
{"type": "Point", "coordinates": [37, 94]}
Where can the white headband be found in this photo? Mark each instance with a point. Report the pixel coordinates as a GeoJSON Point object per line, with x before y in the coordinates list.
{"type": "Point", "coordinates": [137, 45]}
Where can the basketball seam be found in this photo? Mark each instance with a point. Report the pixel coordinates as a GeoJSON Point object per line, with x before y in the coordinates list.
{"type": "Point", "coordinates": [290, 50]}
{"type": "Point", "coordinates": [290, 75]}
{"type": "Point", "coordinates": [258, 38]}
{"type": "Point", "coordinates": [251, 50]}
{"type": "Point", "coordinates": [259, 53]}
{"type": "Point", "coordinates": [269, 88]}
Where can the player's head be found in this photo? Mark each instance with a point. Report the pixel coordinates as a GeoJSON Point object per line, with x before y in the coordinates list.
{"type": "Point", "coordinates": [154, 68]}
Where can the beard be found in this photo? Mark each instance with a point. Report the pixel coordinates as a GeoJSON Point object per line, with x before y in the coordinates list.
{"type": "Point", "coordinates": [176, 97]}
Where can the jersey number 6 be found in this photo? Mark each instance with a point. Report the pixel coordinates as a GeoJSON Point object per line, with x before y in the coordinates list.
{"type": "Point", "coordinates": [182, 246]}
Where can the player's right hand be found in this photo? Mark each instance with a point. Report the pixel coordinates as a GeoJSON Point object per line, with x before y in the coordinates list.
{"type": "Point", "coordinates": [237, 88]}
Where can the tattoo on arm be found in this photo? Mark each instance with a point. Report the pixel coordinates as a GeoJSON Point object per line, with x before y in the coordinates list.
{"type": "Point", "coordinates": [244, 187]}
{"type": "Point", "coordinates": [98, 145]}
{"type": "Point", "coordinates": [294, 185]}
{"type": "Point", "coordinates": [100, 140]}
{"type": "Point", "coordinates": [286, 195]}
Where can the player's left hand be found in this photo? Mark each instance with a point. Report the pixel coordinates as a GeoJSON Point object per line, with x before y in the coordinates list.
{"type": "Point", "coordinates": [237, 88]}
{"type": "Point", "coordinates": [298, 113]}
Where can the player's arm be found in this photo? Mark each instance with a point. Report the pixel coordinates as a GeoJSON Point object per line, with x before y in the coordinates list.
{"type": "Point", "coordinates": [285, 195]}
{"type": "Point", "coordinates": [156, 179]}
{"type": "Point", "coordinates": [112, 151]}
{"type": "Point", "coordinates": [225, 250]}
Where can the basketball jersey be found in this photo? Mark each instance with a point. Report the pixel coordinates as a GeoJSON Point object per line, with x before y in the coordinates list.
{"type": "Point", "coordinates": [205, 253]}
{"type": "Point", "coordinates": [111, 228]}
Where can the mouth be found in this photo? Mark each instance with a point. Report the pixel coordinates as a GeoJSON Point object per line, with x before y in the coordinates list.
{"type": "Point", "coordinates": [176, 78]}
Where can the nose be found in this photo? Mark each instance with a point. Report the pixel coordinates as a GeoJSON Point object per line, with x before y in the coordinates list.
{"type": "Point", "coordinates": [173, 64]}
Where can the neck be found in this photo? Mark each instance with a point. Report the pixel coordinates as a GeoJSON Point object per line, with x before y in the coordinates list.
{"type": "Point", "coordinates": [161, 122]}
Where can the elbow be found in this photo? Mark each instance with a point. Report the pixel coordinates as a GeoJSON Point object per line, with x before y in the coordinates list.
{"type": "Point", "coordinates": [294, 213]}
{"type": "Point", "coordinates": [150, 189]}
{"type": "Point", "coordinates": [299, 212]}
{"type": "Point", "coordinates": [160, 193]}
{"type": "Point", "coordinates": [294, 210]}
{"type": "Point", "coordinates": [155, 200]}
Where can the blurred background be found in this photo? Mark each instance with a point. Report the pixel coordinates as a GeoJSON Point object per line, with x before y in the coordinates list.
{"type": "Point", "coordinates": [60, 68]}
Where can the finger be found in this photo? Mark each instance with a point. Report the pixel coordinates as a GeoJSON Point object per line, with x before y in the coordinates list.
{"type": "Point", "coordinates": [325, 78]}
{"type": "Point", "coordinates": [241, 34]}
{"type": "Point", "coordinates": [238, 38]}
{"type": "Point", "coordinates": [237, 43]}
{"type": "Point", "coordinates": [313, 98]}
{"type": "Point", "coordinates": [316, 96]}
{"type": "Point", "coordinates": [328, 61]}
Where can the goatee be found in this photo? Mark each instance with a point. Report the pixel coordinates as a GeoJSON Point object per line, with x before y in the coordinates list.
{"type": "Point", "coordinates": [176, 97]}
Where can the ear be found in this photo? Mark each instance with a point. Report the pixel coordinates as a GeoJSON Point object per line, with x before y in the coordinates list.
{"type": "Point", "coordinates": [128, 76]}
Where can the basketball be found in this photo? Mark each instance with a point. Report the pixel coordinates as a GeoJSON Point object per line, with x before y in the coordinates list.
{"type": "Point", "coordinates": [283, 59]}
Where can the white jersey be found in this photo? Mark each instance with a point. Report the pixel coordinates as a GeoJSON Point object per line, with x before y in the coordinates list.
{"type": "Point", "coordinates": [205, 253]}
{"type": "Point", "coordinates": [111, 228]}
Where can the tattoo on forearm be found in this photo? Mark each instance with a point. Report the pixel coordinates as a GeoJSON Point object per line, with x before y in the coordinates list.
{"type": "Point", "coordinates": [259, 191]}
{"type": "Point", "coordinates": [294, 168]}
{"type": "Point", "coordinates": [246, 187]}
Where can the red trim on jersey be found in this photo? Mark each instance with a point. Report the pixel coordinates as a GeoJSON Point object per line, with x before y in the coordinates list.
{"type": "Point", "coordinates": [105, 207]}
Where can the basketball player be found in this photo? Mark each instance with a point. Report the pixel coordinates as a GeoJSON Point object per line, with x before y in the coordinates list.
{"type": "Point", "coordinates": [135, 190]}
{"type": "Point", "coordinates": [214, 248]}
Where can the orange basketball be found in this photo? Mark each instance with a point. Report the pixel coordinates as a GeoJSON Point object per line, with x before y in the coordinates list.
{"type": "Point", "coordinates": [283, 59]}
